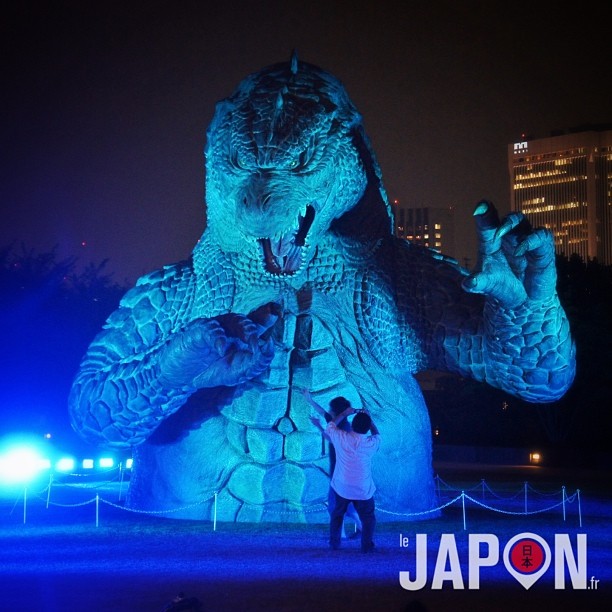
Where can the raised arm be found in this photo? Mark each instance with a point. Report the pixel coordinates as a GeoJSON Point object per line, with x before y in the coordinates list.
{"type": "Point", "coordinates": [503, 324]}
{"type": "Point", "coordinates": [308, 396]}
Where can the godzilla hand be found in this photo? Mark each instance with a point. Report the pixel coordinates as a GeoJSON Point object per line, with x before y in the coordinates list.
{"type": "Point", "coordinates": [516, 263]}
{"type": "Point", "coordinates": [223, 351]}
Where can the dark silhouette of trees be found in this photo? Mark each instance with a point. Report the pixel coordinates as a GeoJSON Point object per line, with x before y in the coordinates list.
{"type": "Point", "coordinates": [576, 428]}
{"type": "Point", "coordinates": [49, 313]}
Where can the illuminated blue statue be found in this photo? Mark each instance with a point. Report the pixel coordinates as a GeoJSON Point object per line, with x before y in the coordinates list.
{"type": "Point", "coordinates": [299, 283]}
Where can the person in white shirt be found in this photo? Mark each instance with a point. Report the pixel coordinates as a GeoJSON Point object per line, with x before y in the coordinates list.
{"type": "Point", "coordinates": [336, 406]}
{"type": "Point", "coordinates": [352, 478]}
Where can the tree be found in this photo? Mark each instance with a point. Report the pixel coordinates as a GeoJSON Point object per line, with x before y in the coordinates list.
{"type": "Point", "coordinates": [49, 313]}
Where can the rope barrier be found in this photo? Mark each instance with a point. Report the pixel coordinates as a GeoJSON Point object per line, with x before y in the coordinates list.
{"type": "Point", "coordinates": [482, 485]}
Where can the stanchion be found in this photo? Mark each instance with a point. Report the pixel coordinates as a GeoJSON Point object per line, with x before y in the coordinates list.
{"type": "Point", "coordinates": [563, 500]}
{"type": "Point", "coordinates": [25, 500]}
{"type": "Point", "coordinates": [120, 479]}
{"type": "Point", "coordinates": [463, 505]}
{"type": "Point", "coordinates": [49, 489]}
{"type": "Point", "coordinates": [215, 513]}
{"type": "Point", "coordinates": [579, 508]}
{"type": "Point", "coordinates": [482, 481]}
{"type": "Point", "coordinates": [97, 510]}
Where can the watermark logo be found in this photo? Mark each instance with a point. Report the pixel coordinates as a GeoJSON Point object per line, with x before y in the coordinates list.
{"type": "Point", "coordinates": [526, 557]}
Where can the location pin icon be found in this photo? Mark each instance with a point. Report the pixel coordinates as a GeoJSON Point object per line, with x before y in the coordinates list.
{"type": "Point", "coordinates": [527, 557]}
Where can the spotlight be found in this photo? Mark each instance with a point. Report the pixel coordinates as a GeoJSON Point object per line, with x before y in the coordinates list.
{"type": "Point", "coordinates": [106, 462]}
{"type": "Point", "coordinates": [65, 464]}
{"type": "Point", "coordinates": [88, 464]}
{"type": "Point", "coordinates": [535, 458]}
{"type": "Point", "coordinates": [19, 465]}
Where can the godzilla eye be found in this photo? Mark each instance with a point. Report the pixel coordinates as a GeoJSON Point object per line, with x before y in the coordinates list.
{"type": "Point", "coordinates": [300, 162]}
{"type": "Point", "coordinates": [238, 160]}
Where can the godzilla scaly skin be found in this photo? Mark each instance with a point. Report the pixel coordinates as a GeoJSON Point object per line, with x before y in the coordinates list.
{"type": "Point", "coordinates": [298, 283]}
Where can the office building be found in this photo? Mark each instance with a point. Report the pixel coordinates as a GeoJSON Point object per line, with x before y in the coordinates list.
{"type": "Point", "coordinates": [427, 226]}
{"type": "Point", "coordinates": [564, 183]}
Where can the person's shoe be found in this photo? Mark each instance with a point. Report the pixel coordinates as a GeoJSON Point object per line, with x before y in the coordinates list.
{"type": "Point", "coordinates": [355, 535]}
{"type": "Point", "coordinates": [368, 549]}
{"type": "Point", "coordinates": [334, 546]}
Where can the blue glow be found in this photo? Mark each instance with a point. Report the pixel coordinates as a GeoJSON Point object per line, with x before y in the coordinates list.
{"type": "Point", "coordinates": [65, 464]}
{"type": "Point", "coordinates": [20, 465]}
{"type": "Point", "coordinates": [22, 459]}
{"type": "Point", "coordinates": [298, 282]}
{"type": "Point", "coordinates": [106, 462]}
{"type": "Point", "coordinates": [88, 464]}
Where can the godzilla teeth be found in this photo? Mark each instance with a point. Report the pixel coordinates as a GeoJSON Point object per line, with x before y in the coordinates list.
{"type": "Point", "coordinates": [305, 225]}
{"type": "Point", "coordinates": [283, 252]}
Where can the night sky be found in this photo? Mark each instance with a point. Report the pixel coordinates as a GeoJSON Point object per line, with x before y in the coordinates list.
{"type": "Point", "coordinates": [105, 105]}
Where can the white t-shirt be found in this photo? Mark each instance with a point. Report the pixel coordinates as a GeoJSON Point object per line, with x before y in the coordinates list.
{"type": "Point", "coordinates": [352, 477]}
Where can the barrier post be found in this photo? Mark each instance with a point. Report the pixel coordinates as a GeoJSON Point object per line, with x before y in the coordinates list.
{"type": "Point", "coordinates": [97, 510]}
{"type": "Point", "coordinates": [25, 498]}
{"type": "Point", "coordinates": [120, 479]}
{"type": "Point", "coordinates": [579, 508]}
{"type": "Point", "coordinates": [49, 488]}
{"type": "Point", "coordinates": [563, 500]}
{"type": "Point", "coordinates": [215, 513]}
{"type": "Point", "coordinates": [463, 504]}
{"type": "Point", "coordinates": [482, 481]}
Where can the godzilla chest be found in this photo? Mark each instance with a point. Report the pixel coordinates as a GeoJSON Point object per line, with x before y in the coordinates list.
{"type": "Point", "coordinates": [269, 418]}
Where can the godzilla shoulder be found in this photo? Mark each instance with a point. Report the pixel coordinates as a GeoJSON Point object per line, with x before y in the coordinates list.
{"type": "Point", "coordinates": [160, 286]}
{"type": "Point", "coordinates": [414, 258]}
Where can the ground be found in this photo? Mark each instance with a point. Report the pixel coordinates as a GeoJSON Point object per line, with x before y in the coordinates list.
{"type": "Point", "coordinates": [64, 552]}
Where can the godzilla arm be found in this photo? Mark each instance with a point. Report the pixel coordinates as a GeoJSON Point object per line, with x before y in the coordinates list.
{"type": "Point", "coordinates": [504, 324]}
{"type": "Point", "coordinates": [153, 353]}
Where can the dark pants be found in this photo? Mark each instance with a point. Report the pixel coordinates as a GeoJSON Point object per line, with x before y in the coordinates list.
{"type": "Point", "coordinates": [365, 509]}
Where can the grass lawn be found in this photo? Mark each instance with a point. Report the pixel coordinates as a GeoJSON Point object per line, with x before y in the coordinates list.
{"type": "Point", "coordinates": [75, 555]}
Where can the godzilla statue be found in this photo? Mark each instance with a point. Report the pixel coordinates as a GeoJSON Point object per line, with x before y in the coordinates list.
{"type": "Point", "coordinates": [298, 283]}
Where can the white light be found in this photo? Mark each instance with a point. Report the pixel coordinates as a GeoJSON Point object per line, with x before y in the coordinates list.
{"type": "Point", "coordinates": [65, 464]}
{"type": "Point", "coordinates": [129, 463]}
{"type": "Point", "coordinates": [106, 462]}
{"type": "Point", "coordinates": [19, 465]}
{"type": "Point", "coordinates": [88, 464]}
{"type": "Point", "coordinates": [535, 457]}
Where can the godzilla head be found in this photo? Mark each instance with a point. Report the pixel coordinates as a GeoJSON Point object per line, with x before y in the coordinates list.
{"type": "Point", "coordinates": [287, 163]}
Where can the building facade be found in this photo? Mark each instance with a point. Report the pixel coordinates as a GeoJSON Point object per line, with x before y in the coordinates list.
{"type": "Point", "coordinates": [564, 183]}
{"type": "Point", "coordinates": [430, 227]}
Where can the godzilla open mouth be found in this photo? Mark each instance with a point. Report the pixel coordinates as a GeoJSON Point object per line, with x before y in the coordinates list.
{"type": "Point", "coordinates": [284, 255]}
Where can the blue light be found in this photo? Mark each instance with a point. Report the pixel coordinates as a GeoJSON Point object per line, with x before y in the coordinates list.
{"type": "Point", "coordinates": [65, 464]}
{"type": "Point", "coordinates": [22, 458]}
{"type": "Point", "coordinates": [106, 462]}
{"type": "Point", "coordinates": [19, 465]}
